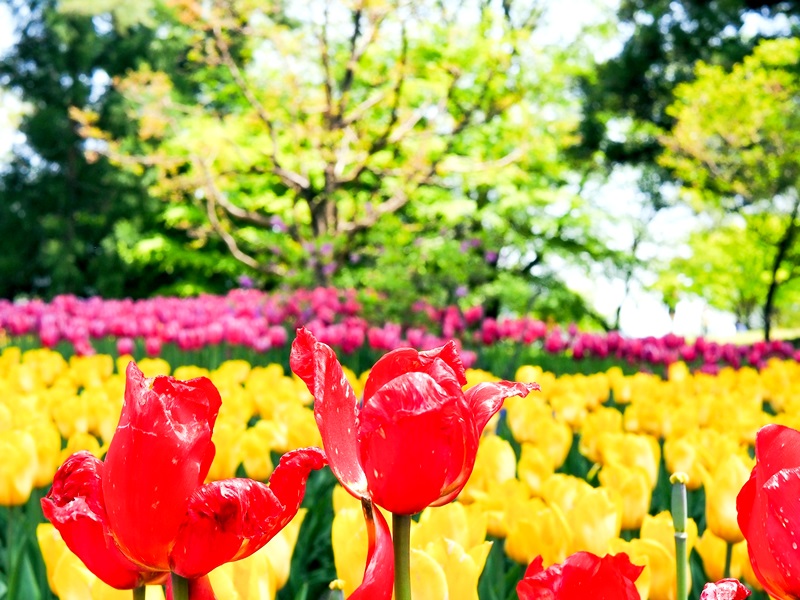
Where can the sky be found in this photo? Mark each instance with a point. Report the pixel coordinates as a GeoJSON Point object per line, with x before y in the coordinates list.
{"type": "Point", "coordinates": [643, 313]}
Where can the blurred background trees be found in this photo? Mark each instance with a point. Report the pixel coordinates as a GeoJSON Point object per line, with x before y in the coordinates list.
{"type": "Point", "coordinates": [444, 151]}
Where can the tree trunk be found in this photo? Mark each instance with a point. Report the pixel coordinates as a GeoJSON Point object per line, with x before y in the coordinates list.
{"type": "Point", "coordinates": [783, 249]}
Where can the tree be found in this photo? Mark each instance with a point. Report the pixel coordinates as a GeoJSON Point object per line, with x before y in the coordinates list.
{"type": "Point", "coordinates": [626, 100]}
{"type": "Point", "coordinates": [736, 147]}
{"type": "Point", "coordinates": [68, 225]}
{"type": "Point", "coordinates": [729, 266]}
{"type": "Point", "coordinates": [322, 135]}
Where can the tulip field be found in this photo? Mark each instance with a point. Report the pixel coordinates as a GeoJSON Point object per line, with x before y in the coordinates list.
{"type": "Point", "coordinates": [582, 464]}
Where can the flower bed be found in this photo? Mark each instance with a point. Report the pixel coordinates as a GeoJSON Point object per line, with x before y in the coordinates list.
{"type": "Point", "coordinates": [581, 465]}
{"type": "Point", "coordinates": [249, 323]}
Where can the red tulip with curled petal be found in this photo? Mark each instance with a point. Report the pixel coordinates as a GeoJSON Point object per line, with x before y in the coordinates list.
{"type": "Point", "coordinates": [145, 512]}
{"type": "Point", "coordinates": [768, 511]}
{"type": "Point", "coordinates": [411, 442]}
{"type": "Point", "coordinates": [582, 575]}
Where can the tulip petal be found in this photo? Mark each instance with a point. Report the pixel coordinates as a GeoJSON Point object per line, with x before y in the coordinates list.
{"type": "Point", "coordinates": [378, 580]}
{"type": "Point", "coordinates": [582, 575]}
{"type": "Point", "coordinates": [226, 520]}
{"type": "Point", "coordinates": [335, 408]}
{"type": "Point", "coordinates": [539, 583]}
{"type": "Point", "coordinates": [486, 398]}
{"type": "Point", "coordinates": [288, 481]}
{"type": "Point", "coordinates": [760, 502]}
{"type": "Point", "coordinates": [411, 440]}
{"type": "Point", "coordinates": [724, 589]}
{"type": "Point", "coordinates": [75, 507]}
{"type": "Point", "coordinates": [777, 447]}
{"type": "Point", "coordinates": [482, 401]}
{"type": "Point", "coordinates": [406, 360]}
{"type": "Point", "coordinates": [231, 519]}
{"type": "Point", "coordinates": [782, 492]}
{"type": "Point", "coordinates": [160, 453]}
{"type": "Point", "coordinates": [611, 577]}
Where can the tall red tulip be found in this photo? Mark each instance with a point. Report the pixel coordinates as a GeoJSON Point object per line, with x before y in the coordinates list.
{"type": "Point", "coordinates": [582, 575]}
{"type": "Point", "coordinates": [769, 512]}
{"type": "Point", "coordinates": [411, 442]}
{"type": "Point", "coordinates": [145, 512]}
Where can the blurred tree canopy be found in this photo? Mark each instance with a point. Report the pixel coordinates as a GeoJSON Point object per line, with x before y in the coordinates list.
{"type": "Point", "coordinates": [434, 150]}
{"type": "Point", "coordinates": [736, 146]}
{"type": "Point", "coordinates": [66, 223]}
{"type": "Point", "coordinates": [414, 149]}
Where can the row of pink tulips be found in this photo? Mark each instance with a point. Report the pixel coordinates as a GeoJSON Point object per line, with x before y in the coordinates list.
{"type": "Point", "coordinates": [261, 321]}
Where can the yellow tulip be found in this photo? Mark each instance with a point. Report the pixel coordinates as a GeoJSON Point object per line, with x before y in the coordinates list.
{"type": "Point", "coordinates": [227, 438]}
{"type": "Point", "coordinates": [428, 580]}
{"type": "Point", "coordinates": [570, 407]}
{"type": "Point", "coordinates": [523, 416]}
{"type": "Point", "coordinates": [302, 430]}
{"type": "Point", "coordinates": [721, 487]}
{"type": "Point", "coordinates": [462, 567]}
{"type": "Point", "coordinates": [538, 529]}
{"type": "Point", "coordinates": [349, 540]}
{"type": "Point", "coordinates": [631, 483]}
{"type": "Point", "coordinates": [258, 442]}
{"type": "Point", "coordinates": [186, 372]}
{"type": "Point", "coordinates": [69, 579]}
{"type": "Point", "coordinates": [603, 420]}
{"type": "Point", "coordinates": [495, 463]}
{"type": "Point", "coordinates": [153, 366]}
{"type": "Point", "coordinates": [657, 541]}
{"type": "Point", "coordinates": [465, 525]}
{"type": "Point", "coordinates": [535, 468]}
{"type": "Point", "coordinates": [554, 439]}
{"type": "Point", "coordinates": [712, 550]}
{"type": "Point", "coordinates": [499, 502]}
{"type": "Point", "coordinates": [19, 467]}
{"type": "Point", "coordinates": [595, 520]}
{"type": "Point", "coordinates": [48, 450]}
{"type": "Point", "coordinates": [9, 358]}
{"type": "Point", "coordinates": [634, 549]}
{"type": "Point", "coordinates": [682, 456]}
{"type": "Point", "coordinates": [261, 574]}
{"type": "Point", "coordinates": [631, 449]}
{"type": "Point", "coordinates": [91, 371]}
{"type": "Point", "coordinates": [81, 441]}
{"type": "Point", "coordinates": [234, 371]}
{"type": "Point", "coordinates": [564, 490]}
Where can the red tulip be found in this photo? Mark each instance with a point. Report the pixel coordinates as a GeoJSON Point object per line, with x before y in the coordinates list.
{"type": "Point", "coordinates": [769, 512]}
{"type": "Point", "coordinates": [582, 575]}
{"type": "Point", "coordinates": [145, 511]}
{"type": "Point", "coordinates": [724, 589]}
{"type": "Point", "coordinates": [412, 442]}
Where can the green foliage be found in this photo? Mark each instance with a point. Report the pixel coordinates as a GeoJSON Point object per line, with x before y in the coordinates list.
{"type": "Point", "coordinates": [729, 267]}
{"type": "Point", "coordinates": [417, 153]}
{"type": "Point", "coordinates": [736, 147]}
{"type": "Point", "coordinates": [69, 222]}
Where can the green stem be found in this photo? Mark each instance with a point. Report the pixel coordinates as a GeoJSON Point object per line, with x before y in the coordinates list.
{"type": "Point", "coordinates": [12, 554]}
{"type": "Point", "coordinates": [679, 520]}
{"type": "Point", "coordinates": [180, 587]}
{"type": "Point", "coordinates": [139, 593]}
{"type": "Point", "coordinates": [401, 537]}
{"type": "Point", "coordinates": [728, 556]}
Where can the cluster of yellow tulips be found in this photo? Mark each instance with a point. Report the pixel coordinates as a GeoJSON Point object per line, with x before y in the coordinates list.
{"type": "Point", "coordinates": [631, 429]}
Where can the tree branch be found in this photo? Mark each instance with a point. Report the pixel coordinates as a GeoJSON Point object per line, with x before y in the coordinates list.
{"type": "Point", "coordinates": [215, 198]}
{"type": "Point", "coordinates": [288, 177]}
